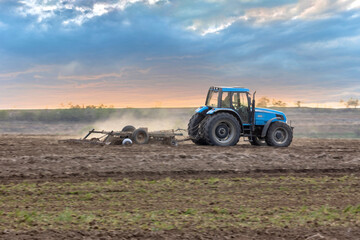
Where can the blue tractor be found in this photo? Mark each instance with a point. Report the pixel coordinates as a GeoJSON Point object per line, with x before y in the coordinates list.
{"type": "Point", "coordinates": [229, 113]}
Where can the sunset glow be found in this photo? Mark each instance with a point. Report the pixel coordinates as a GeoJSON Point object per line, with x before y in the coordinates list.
{"type": "Point", "coordinates": [164, 53]}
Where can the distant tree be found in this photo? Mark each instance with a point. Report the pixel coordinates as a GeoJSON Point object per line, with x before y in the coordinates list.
{"type": "Point", "coordinates": [262, 102]}
{"type": "Point", "coordinates": [350, 102]}
{"type": "Point", "coordinates": [83, 106]}
{"type": "Point", "coordinates": [278, 103]}
{"type": "Point", "coordinates": [298, 103]}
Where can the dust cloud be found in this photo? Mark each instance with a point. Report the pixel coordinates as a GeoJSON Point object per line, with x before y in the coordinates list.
{"type": "Point", "coordinates": [153, 119]}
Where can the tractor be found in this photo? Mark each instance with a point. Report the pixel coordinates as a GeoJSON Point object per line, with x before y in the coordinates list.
{"type": "Point", "coordinates": [229, 113]}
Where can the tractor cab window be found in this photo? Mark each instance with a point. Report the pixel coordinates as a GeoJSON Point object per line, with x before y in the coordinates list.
{"type": "Point", "coordinates": [244, 100]}
{"type": "Point", "coordinates": [236, 101]}
{"type": "Point", "coordinates": [239, 100]}
{"type": "Point", "coordinates": [240, 104]}
{"type": "Point", "coordinates": [225, 101]}
{"type": "Point", "coordinates": [212, 100]}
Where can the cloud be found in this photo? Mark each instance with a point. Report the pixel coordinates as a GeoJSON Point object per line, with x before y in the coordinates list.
{"type": "Point", "coordinates": [91, 77]}
{"type": "Point", "coordinates": [307, 10]}
{"type": "Point", "coordinates": [172, 57]}
{"type": "Point", "coordinates": [3, 25]}
{"type": "Point", "coordinates": [12, 75]}
{"type": "Point", "coordinates": [354, 5]}
{"type": "Point", "coordinates": [340, 42]}
{"type": "Point", "coordinates": [99, 9]}
{"type": "Point", "coordinates": [75, 11]}
{"type": "Point", "coordinates": [124, 72]}
{"type": "Point", "coordinates": [43, 9]}
{"type": "Point", "coordinates": [303, 10]}
{"type": "Point", "coordinates": [282, 48]}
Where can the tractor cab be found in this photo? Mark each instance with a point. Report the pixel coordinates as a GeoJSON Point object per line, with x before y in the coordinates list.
{"type": "Point", "coordinates": [234, 98]}
{"type": "Point", "coordinates": [229, 113]}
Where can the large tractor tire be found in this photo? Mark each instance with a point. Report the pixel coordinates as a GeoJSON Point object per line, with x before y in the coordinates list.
{"type": "Point", "coordinates": [255, 141]}
{"type": "Point", "coordinates": [222, 129]}
{"type": "Point", "coordinates": [279, 135]}
{"type": "Point", "coordinates": [193, 129]}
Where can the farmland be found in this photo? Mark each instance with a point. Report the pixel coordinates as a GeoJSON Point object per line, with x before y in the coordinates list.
{"type": "Point", "coordinates": [52, 190]}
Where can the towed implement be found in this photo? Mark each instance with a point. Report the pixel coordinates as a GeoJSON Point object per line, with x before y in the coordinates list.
{"type": "Point", "coordinates": [129, 135]}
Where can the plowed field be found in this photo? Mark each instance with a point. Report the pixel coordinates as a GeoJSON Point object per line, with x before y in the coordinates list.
{"type": "Point", "coordinates": [52, 190]}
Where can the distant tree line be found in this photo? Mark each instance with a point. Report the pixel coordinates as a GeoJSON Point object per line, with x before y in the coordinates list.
{"type": "Point", "coordinates": [264, 102]}
{"type": "Point", "coordinates": [75, 113]}
{"type": "Point", "coordinates": [72, 114]}
{"type": "Point", "coordinates": [350, 103]}
{"type": "Point", "coordinates": [78, 106]}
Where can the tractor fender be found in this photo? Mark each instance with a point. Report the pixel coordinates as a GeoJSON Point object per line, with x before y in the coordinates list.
{"type": "Point", "coordinates": [202, 110]}
{"type": "Point", "coordinates": [267, 125]}
{"type": "Point", "coordinates": [229, 110]}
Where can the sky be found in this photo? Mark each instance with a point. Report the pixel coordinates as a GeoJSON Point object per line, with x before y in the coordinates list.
{"type": "Point", "coordinates": [167, 53]}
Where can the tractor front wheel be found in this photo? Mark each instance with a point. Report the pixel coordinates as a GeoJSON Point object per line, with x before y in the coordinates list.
{"type": "Point", "coordinates": [279, 135]}
{"type": "Point", "coordinates": [222, 129]}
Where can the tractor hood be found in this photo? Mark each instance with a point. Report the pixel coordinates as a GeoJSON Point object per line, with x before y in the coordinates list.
{"type": "Point", "coordinates": [266, 110]}
{"type": "Point", "coordinates": [262, 115]}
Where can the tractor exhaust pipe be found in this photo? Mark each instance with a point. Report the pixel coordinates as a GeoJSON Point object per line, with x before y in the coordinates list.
{"type": "Point", "coordinates": [253, 113]}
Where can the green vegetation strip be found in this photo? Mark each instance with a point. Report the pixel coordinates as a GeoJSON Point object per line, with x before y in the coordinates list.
{"type": "Point", "coordinates": [213, 203]}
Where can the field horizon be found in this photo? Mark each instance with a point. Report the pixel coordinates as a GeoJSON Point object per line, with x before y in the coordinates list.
{"type": "Point", "coordinates": [308, 122]}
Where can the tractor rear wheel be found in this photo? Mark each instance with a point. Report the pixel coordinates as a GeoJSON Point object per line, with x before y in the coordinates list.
{"type": "Point", "coordinates": [255, 141]}
{"type": "Point", "coordinates": [222, 129]}
{"type": "Point", "coordinates": [193, 129]}
{"type": "Point", "coordinates": [279, 135]}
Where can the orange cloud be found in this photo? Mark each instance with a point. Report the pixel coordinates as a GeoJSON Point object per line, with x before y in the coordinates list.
{"type": "Point", "coordinates": [91, 77]}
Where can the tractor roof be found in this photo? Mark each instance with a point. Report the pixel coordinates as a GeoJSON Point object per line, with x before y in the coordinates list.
{"type": "Point", "coordinates": [232, 89]}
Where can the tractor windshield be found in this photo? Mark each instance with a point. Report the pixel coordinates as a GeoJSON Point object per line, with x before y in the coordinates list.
{"type": "Point", "coordinates": [212, 100]}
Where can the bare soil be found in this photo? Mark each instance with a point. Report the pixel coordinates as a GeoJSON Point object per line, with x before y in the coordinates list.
{"type": "Point", "coordinates": [39, 157]}
{"type": "Point", "coordinates": [51, 190]}
{"type": "Point", "coordinates": [241, 234]}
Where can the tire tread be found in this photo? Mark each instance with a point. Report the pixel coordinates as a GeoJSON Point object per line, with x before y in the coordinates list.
{"type": "Point", "coordinates": [273, 126]}
{"type": "Point", "coordinates": [194, 128]}
{"type": "Point", "coordinates": [208, 126]}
